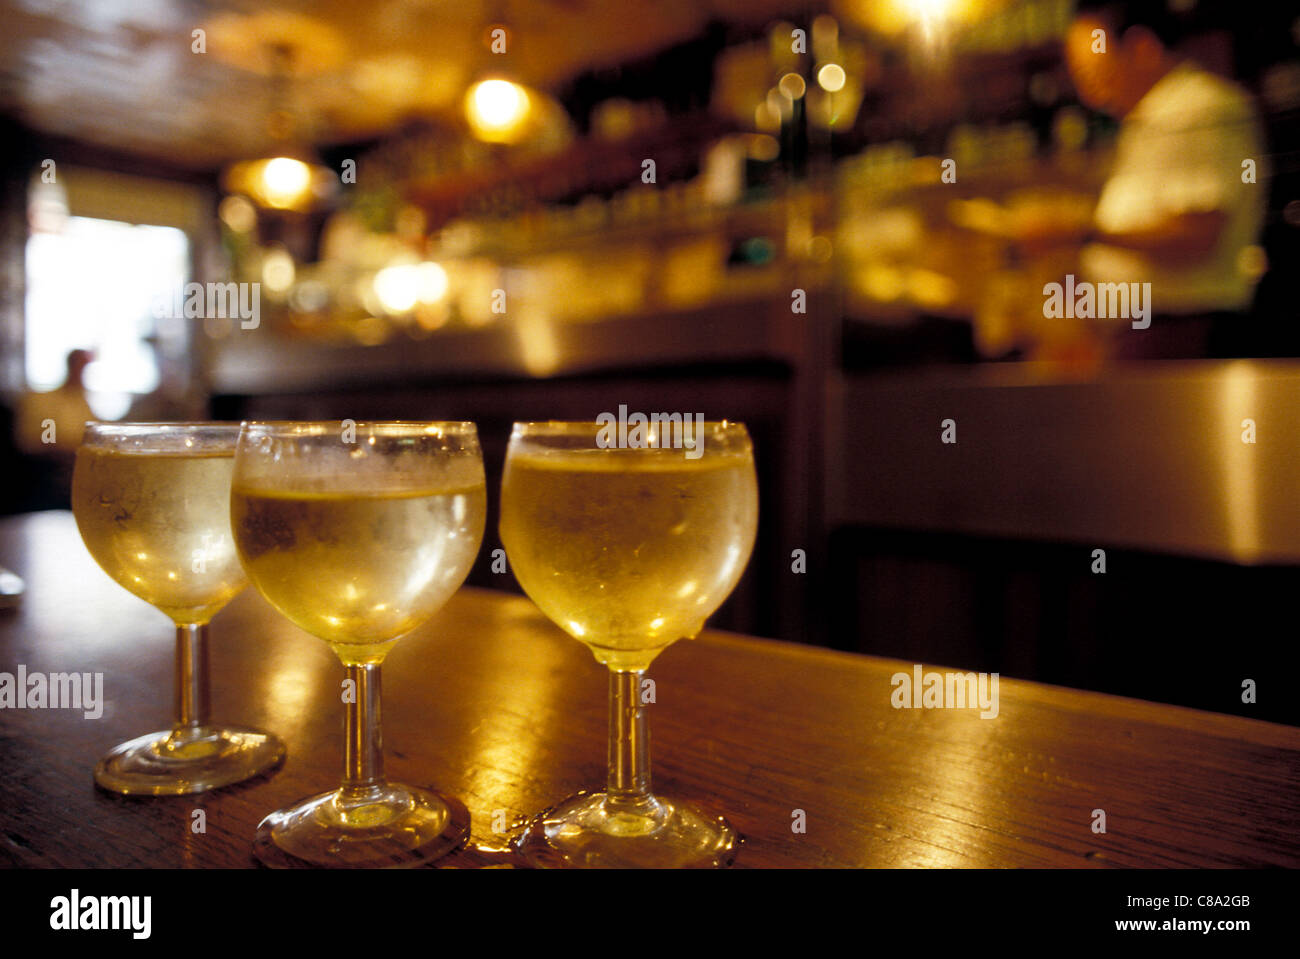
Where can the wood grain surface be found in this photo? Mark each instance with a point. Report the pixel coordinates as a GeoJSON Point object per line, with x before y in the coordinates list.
{"type": "Point", "coordinates": [493, 704]}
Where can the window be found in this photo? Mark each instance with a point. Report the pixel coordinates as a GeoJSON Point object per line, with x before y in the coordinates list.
{"type": "Point", "coordinates": [93, 285]}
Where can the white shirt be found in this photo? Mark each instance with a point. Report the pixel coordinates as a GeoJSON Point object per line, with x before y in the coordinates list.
{"type": "Point", "coordinates": [1180, 150]}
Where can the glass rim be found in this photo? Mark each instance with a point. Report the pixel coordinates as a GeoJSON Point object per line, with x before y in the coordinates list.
{"type": "Point", "coordinates": [194, 438]}
{"type": "Point", "coordinates": [179, 426]}
{"type": "Point", "coordinates": [561, 427]}
{"type": "Point", "coordinates": [324, 427]}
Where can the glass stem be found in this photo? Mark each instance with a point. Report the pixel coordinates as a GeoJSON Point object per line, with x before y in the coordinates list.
{"type": "Point", "coordinates": [363, 763]}
{"type": "Point", "coordinates": [629, 742]}
{"type": "Point", "coordinates": [191, 676]}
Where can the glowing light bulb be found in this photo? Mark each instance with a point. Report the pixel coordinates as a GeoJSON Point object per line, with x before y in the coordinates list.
{"type": "Point", "coordinates": [285, 181]}
{"type": "Point", "coordinates": [398, 287]}
{"type": "Point", "coordinates": [927, 9]}
{"type": "Point", "coordinates": [432, 281]}
{"type": "Point", "coordinates": [496, 109]}
{"type": "Point", "coordinates": [831, 78]}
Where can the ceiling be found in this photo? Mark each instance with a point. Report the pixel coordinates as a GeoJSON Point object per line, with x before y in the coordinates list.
{"type": "Point", "coordinates": [122, 73]}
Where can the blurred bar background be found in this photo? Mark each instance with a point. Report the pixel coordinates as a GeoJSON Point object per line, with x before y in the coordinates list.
{"type": "Point", "coordinates": [833, 221]}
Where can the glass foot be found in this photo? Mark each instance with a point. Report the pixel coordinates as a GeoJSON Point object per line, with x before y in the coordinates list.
{"type": "Point", "coordinates": [586, 831]}
{"type": "Point", "coordinates": [184, 761]}
{"type": "Point", "coordinates": [388, 825]}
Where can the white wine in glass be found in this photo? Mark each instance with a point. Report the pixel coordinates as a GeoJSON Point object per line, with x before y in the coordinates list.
{"type": "Point", "coordinates": [152, 502]}
{"type": "Point", "coordinates": [359, 539]}
{"type": "Point", "coordinates": [627, 550]}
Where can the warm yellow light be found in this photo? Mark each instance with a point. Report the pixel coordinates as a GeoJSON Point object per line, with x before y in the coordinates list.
{"type": "Point", "coordinates": [792, 86]}
{"type": "Point", "coordinates": [398, 287]}
{"type": "Point", "coordinates": [432, 280]}
{"type": "Point", "coordinates": [1252, 262]}
{"type": "Point", "coordinates": [761, 147]}
{"type": "Point", "coordinates": [285, 182]}
{"type": "Point", "coordinates": [895, 16]}
{"type": "Point", "coordinates": [930, 289]}
{"type": "Point", "coordinates": [882, 282]}
{"type": "Point", "coordinates": [831, 78]}
{"type": "Point", "coordinates": [496, 110]}
{"type": "Point", "coordinates": [279, 183]}
{"type": "Point", "coordinates": [538, 347]}
{"type": "Point", "coordinates": [277, 270]}
{"type": "Point", "coordinates": [825, 36]}
{"type": "Point", "coordinates": [238, 214]}
{"type": "Point", "coordinates": [927, 9]}
{"type": "Point", "coordinates": [401, 286]}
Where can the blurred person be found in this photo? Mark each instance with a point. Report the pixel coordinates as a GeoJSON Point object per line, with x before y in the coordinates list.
{"type": "Point", "coordinates": [1174, 211]}
{"type": "Point", "coordinates": [51, 424]}
{"type": "Point", "coordinates": [48, 429]}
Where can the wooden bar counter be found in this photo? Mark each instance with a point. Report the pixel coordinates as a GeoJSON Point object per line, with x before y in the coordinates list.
{"type": "Point", "coordinates": [491, 703]}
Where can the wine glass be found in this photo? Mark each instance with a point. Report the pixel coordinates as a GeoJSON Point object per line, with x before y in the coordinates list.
{"type": "Point", "coordinates": [358, 533]}
{"type": "Point", "coordinates": [627, 550]}
{"type": "Point", "coordinates": [152, 502]}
